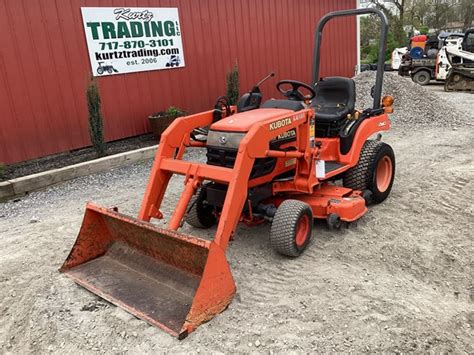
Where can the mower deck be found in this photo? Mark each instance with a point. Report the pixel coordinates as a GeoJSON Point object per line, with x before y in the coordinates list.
{"type": "Point", "coordinates": [328, 199]}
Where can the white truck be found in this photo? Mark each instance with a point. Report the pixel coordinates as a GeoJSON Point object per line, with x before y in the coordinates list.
{"type": "Point", "coordinates": [397, 55]}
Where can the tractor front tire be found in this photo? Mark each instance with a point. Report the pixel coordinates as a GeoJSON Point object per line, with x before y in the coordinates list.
{"type": "Point", "coordinates": [291, 228]}
{"type": "Point", "coordinates": [200, 215]}
{"type": "Point", "coordinates": [375, 171]}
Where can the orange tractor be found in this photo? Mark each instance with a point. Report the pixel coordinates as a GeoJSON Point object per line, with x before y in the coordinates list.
{"type": "Point", "coordinates": [276, 161]}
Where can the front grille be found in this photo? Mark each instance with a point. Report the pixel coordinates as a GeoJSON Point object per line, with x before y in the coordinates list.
{"type": "Point", "coordinates": [221, 157]}
{"type": "Point", "coordinates": [226, 158]}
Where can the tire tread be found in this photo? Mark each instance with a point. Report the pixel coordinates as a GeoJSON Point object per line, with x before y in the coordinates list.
{"type": "Point", "coordinates": [358, 177]}
{"type": "Point", "coordinates": [283, 227]}
{"type": "Point", "coordinates": [194, 215]}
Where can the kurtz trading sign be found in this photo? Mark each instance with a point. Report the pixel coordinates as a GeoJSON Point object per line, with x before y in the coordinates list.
{"type": "Point", "coordinates": [126, 40]}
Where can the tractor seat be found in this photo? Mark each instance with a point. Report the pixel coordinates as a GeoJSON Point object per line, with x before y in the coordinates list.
{"type": "Point", "coordinates": [286, 104]}
{"type": "Point", "coordinates": [335, 98]}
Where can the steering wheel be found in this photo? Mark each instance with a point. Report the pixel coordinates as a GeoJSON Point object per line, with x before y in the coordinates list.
{"type": "Point", "coordinates": [294, 93]}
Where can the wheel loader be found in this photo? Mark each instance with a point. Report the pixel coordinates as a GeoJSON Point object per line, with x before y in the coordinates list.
{"type": "Point", "coordinates": [281, 161]}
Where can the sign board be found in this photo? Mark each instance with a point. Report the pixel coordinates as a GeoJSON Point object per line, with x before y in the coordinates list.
{"type": "Point", "coordinates": [132, 39]}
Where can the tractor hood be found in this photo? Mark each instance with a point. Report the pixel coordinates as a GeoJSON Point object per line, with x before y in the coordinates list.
{"type": "Point", "coordinates": [243, 121]}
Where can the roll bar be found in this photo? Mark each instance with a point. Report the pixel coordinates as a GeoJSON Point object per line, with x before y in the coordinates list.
{"type": "Point", "coordinates": [381, 57]}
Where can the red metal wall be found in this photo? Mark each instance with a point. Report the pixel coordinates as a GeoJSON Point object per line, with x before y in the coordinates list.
{"type": "Point", "coordinates": [44, 64]}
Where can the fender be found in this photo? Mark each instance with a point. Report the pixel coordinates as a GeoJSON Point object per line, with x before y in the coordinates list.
{"type": "Point", "coordinates": [367, 128]}
{"type": "Point", "coordinates": [431, 71]}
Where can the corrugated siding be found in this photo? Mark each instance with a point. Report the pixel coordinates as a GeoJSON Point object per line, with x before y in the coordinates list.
{"type": "Point", "coordinates": [44, 65]}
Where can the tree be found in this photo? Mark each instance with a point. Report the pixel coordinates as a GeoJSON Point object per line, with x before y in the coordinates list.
{"type": "Point", "coordinates": [399, 4]}
{"type": "Point", "coordinates": [370, 30]}
{"type": "Point", "coordinates": [466, 11]}
{"type": "Point", "coordinates": [232, 79]}
{"type": "Point", "coordinates": [96, 125]}
{"type": "Point", "coordinates": [436, 14]}
{"type": "Point", "coordinates": [441, 13]}
{"type": "Point", "coordinates": [423, 15]}
{"type": "Point", "coordinates": [419, 9]}
{"type": "Point", "coordinates": [396, 20]}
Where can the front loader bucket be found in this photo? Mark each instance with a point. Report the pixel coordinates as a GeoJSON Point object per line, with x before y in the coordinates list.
{"type": "Point", "coordinates": [172, 281]}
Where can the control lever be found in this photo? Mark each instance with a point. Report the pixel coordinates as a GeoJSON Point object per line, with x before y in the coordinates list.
{"type": "Point", "coordinates": [271, 75]}
{"type": "Point", "coordinates": [252, 99]}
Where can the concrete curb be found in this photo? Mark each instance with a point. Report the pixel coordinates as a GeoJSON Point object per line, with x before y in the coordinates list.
{"type": "Point", "coordinates": [24, 184]}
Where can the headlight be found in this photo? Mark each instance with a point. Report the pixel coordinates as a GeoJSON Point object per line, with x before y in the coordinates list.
{"type": "Point", "coordinates": [225, 139]}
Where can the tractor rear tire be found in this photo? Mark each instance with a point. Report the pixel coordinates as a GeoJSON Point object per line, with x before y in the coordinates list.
{"type": "Point", "coordinates": [375, 171]}
{"type": "Point", "coordinates": [291, 228]}
{"type": "Point", "coordinates": [200, 215]}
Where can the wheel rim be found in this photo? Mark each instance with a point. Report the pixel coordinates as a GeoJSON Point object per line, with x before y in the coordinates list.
{"type": "Point", "coordinates": [384, 174]}
{"type": "Point", "coordinates": [302, 231]}
{"type": "Point", "coordinates": [422, 78]}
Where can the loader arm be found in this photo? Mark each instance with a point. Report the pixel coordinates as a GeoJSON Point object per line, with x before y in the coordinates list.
{"type": "Point", "coordinates": [171, 142]}
{"type": "Point", "coordinates": [453, 51]}
{"type": "Point", "coordinates": [168, 162]}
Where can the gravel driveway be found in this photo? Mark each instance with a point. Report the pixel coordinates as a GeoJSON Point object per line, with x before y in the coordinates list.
{"type": "Point", "coordinates": [463, 100]}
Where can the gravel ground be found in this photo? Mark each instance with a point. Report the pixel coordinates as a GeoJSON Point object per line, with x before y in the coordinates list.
{"type": "Point", "coordinates": [415, 105]}
{"type": "Point", "coordinates": [399, 280]}
{"type": "Point", "coordinates": [463, 100]}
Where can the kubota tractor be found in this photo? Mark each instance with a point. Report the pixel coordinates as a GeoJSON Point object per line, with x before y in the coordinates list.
{"type": "Point", "coordinates": [278, 161]}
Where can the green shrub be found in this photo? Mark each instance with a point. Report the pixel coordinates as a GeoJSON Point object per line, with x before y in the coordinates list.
{"type": "Point", "coordinates": [424, 29]}
{"type": "Point", "coordinates": [3, 170]}
{"type": "Point", "coordinates": [175, 112]}
{"type": "Point", "coordinates": [370, 37]}
{"type": "Point", "coordinates": [232, 79]}
{"type": "Point", "coordinates": [373, 49]}
{"type": "Point", "coordinates": [96, 124]}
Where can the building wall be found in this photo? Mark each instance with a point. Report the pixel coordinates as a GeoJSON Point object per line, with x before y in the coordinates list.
{"type": "Point", "coordinates": [44, 65]}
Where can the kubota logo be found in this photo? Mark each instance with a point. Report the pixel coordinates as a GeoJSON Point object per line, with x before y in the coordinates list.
{"type": "Point", "coordinates": [288, 134]}
{"type": "Point", "coordinates": [280, 123]}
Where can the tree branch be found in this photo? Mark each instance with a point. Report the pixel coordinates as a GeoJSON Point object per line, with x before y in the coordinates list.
{"type": "Point", "coordinates": [382, 7]}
